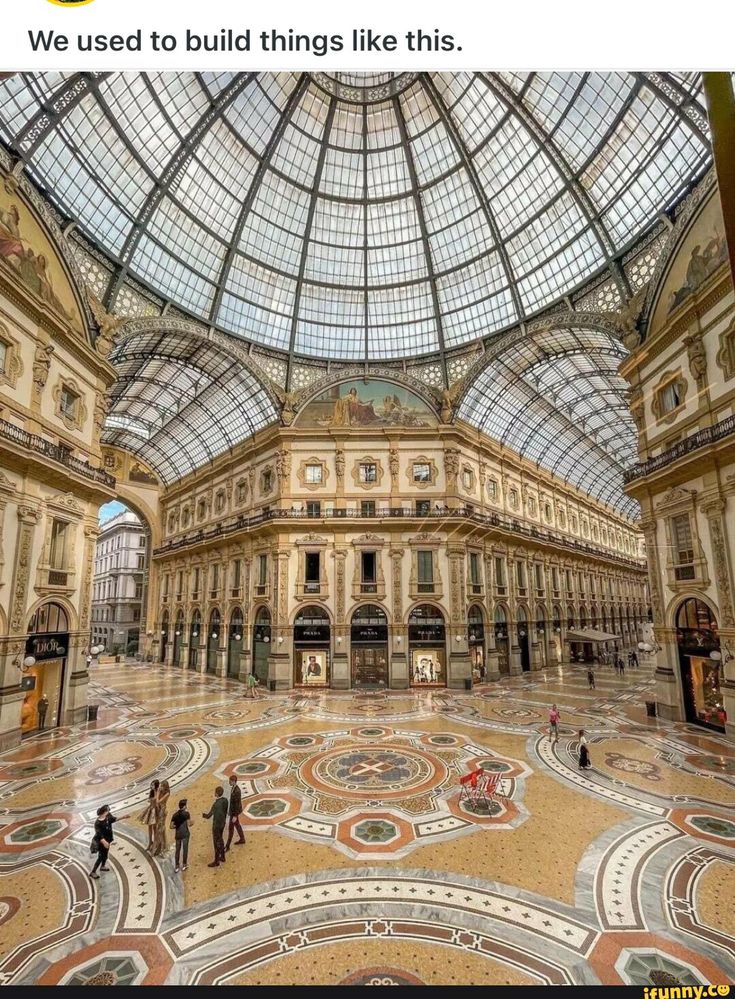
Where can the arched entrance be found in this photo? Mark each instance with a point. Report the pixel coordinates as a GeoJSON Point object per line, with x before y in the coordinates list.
{"type": "Point", "coordinates": [194, 631]}
{"type": "Point", "coordinates": [476, 642]}
{"type": "Point", "coordinates": [501, 640]}
{"type": "Point", "coordinates": [700, 664]}
{"type": "Point", "coordinates": [213, 632]}
{"type": "Point", "coordinates": [524, 639]}
{"type": "Point", "coordinates": [369, 647]}
{"type": "Point", "coordinates": [234, 643]}
{"type": "Point", "coordinates": [427, 645]}
{"type": "Point", "coordinates": [261, 644]}
{"type": "Point", "coordinates": [164, 637]}
{"type": "Point", "coordinates": [542, 636]}
{"type": "Point", "coordinates": [311, 647]}
{"type": "Point", "coordinates": [178, 637]}
{"type": "Point", "coordinates": [43, 681]}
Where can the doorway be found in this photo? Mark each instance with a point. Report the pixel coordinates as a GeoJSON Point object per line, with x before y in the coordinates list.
{"type": "Point", "coordinates": [700, 664]}
{"type": "Point", "coordinates": [427, 647]}
{"type": "Point", "coordinates": [261, 645]}
{"type": "Point", "coordinates": [43, 682]}
{"type": "Point", "coordinates": [369, 648]}
{"type": "Point", "coordinates": [311, 641]}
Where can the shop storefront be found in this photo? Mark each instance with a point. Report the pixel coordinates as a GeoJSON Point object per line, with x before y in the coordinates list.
{"type": "Point", "coordinates": [524, 639]}
{"type": "Point", "coordinates": [311, 644]}
{"type": "Point", "coordinates": [213, 633]}
{"type": "Point", "coordinates": [427, 647]}
{"type": "Point", "coordinates": [700, 664]}
{"type": "Point", "coordinates": [164, 637]}
{"type": "Point", "coordinates": [476, 642]}
{"type": "Point", "coordinates": [43, 680]}
{"type": "Point", "coordinates": [234, 643]}
{"type": "Point", "coordinates": [178, 638]}
{"type": "Point", "coordinates": [369, 647]}
{"type": "Point", "coordinates": [261, 644]}
{"type": "Point", "coordinates": [194, 631]}
{"type": "Point", "coordinates": [501, 640]}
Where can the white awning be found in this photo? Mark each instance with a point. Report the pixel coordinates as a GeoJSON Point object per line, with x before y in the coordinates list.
{"type": "Point", "coordinates": [590, 635]}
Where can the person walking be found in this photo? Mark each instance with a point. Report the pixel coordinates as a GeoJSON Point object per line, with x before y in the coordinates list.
{"type": "Point", "coordinates": [102, 839]}
{"type": "Point", "coordinates": [159, 832]}
{"type": "Point", "coordinates": [181, 823]}
{"type": "Point", "coordinates": [251, 686]}
{"type": "Point", "coordinates": [148, 815]}
{"type": "Point", "coordinates": [591, 679]}
{"type": "Point", "coordinates": [584, 753]}
{"type": "Point", "coordinates": [234, 811]}
{"type": "Point", "coordinates": [218, 814]}
{"type": "Point", "coordinates": [554, 717]}
{"type": "Point", "coordinates": [634, 659]}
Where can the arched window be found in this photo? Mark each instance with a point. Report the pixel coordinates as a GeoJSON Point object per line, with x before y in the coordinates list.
{"type": "Point", "coordinates": [47, 619]}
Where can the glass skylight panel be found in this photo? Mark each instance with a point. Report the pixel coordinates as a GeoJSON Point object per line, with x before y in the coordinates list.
{"type": "Point", "coordinates": [215, 82]}
{"type": "Point", "coordinates": [387, 173]}
{"type": "Point", "coordinates": [475, 110]}
{"type": "Point", "coordinates": [182, 96]}
{"type": "Point", "coordinates": [134, 106]}
{"type": "Point", "coordinates": [449, 200]}
{"type": "Point", "coordinates": [228, 159]}
{"type": "Point", "coordinates": [471, 282]}
{"type": "Point", "coordinates": [261, 286]}
{"type": "Point", "coordinates": [419, 111]}
{"type": "Point", "coordinates": [434, 154]}
{"type": "Point", "coordinates": [310, 114]}
{"type": "Point", "coordinates": [296, 156]}
{"type": "Point", "coordinates": [338, 222]}
{"type": "Point", "coordinates": [476, 320]}
{"type": "Point", "coordinates": [18, 104]}
{"type": "Point", "coordinates": [400, 341]}
{"type": "Point", "coordinates": [592, 114]}
{"type": "Point", "coordinates": [337, 265]}
{"type": "Point", "coordinates": [549, 95]}
{"type": "Point", "coordinates": [347, 127]}
{"type": "Point", "coordinates": [536, 184]}
{"type": "Point", "coordinates": [175, 230]}
{"type": "Point", "coordinates": [253, 116]}
{"type": "Point", "coordinates": [395, 264]}
{"type": "Point", "coordinates": [171, 276]}
{"type": "Point", "coordinates": [343, 175]}
{"type": "Point", "coordinates": [382, 127]}
{"type": "Point", "coordinates": [388, 306]}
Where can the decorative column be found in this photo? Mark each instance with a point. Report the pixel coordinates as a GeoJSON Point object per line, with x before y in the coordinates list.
{"type": "Point", "coordinates": [12, 695]}
{"type": "Point", "coordinates": [398, 631]}
{"type": "Point", "coordinates": [459, 670]}
{"type": "Point", "coordinates": [246, 657]}
{"type": "Point", "coordinates": [280, 666]}
{"type": "Point", "coordinates": [714, 510]}
{"type": "Point", "coordinates": [669, 694]}
{"type": "Point", "coordinates": [341, 677]}
{"type": "Point", "coordinates": [339, 468]}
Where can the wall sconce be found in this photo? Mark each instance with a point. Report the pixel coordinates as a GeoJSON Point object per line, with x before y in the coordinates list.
{"type": "Point", "coordinates": [557, 631]}
{"type": "Point", "coordinates": [521, 633]}
{"type": "Point", "coordinates": [266, 639]}
{"type": "Point", "coordinates": [237, 637]}
{"type": "Point", "coordinates": [164, 631]}
{"type": "Point", "coordinates": [717, 656]}
{"type": "Point", "coordinates": [25, 663]}
{"type": "Point", "coordinates": [280, 639]}
{"type": "Point", "coordinates": [339, 640]}
{"type": "Point", "coordinates": [398, 639]}
{"type": "Point", "coordinates": [177, 633]}
{"type": "Point", "coordinates": [215, 634]}
{"type": "Point", "coordinates": [458, 638]}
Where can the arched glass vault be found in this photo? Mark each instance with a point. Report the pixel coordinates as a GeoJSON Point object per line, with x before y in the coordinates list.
{"type": "Point", "coordinates": [360, 217]}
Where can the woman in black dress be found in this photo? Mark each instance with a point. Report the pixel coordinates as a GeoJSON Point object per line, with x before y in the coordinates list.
{"type": "Point", "coordinates": [102, 837]}
{"type": "Point", "coordinates": [584, 753]}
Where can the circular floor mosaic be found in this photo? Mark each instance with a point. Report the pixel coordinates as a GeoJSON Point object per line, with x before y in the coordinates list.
{"type": "Point", "coordinates": [373, 799]}
{"type": "Point", "coordinates": [375, 772]}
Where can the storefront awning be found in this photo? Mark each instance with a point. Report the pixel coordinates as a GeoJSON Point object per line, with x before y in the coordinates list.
{"type": "Point", "coordinates": [590, 635]}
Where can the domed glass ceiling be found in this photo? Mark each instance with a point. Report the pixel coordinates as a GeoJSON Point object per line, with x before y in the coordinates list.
{"type": "Point", "coordinates": [360, 216]}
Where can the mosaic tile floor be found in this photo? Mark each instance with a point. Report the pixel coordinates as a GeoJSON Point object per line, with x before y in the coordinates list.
{"type": "Point", "coordinates": [362, 865]}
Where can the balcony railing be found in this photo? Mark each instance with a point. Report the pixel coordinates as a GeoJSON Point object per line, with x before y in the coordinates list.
{"type": "Point", "coordinates": [708, 435]}
{"type": "Point", "coordinates": [33, 442]}
{"type": "Point", "coordinates": [243, 523]}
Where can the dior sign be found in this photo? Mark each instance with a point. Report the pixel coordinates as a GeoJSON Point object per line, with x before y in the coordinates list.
{"type": "Point", "coordinates": [51, 646]}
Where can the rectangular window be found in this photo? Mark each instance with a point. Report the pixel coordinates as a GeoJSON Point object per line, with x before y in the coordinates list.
{"type": "Point", "coordinates": [425, 568]}
{"type": "Point", "coordinates": [263, 571]}
{"type": "Point", "coordinates": [138, 591]}
{"type": "Point", "coordinates": [313, 508]}
{"type": "Point", "coordinates": [367, 508]}
{"type": "Point", "coordinates": [475, 573]}
{"type": "Point", "coordinates": [681, 535]}
{"type": "Point", "coordinates": [500, 573]}
{"type": "Point", "coordinates": [141, 541]}
{"type": "Point", "coordinates": [467, 478]}
{"type": "Point", "coordinates": [236, 576]}
{"type": "Point", "coordinates": [521, 575]}
{"type": "Point", "coordinates": [311, 572]}
{"type": "Point", "coordinates": [59, 538]}
{"type": "Point", "coordinates": [539, 576]}
{"type": "Point", "coordinates": [555, 578]}
{"type": "Point", "coordinates": [68, 402]}
{"type": "Point", "coordinates": [313, 475]}
{"type": "Point", "coordinates": [368, 571]}
{"type": "Point", "coordinates": [196, 581]}
{"type": "Point", "coordinates": [670, 397]}
{"type": "Point", "coordinates": [492, 489]}
{"type": "Point", "coordinates": [421, 471]}
{"type": "Point", "coordinates": [141, 561]}
{"type": "Point", "coordinates": [3, 356]}
{"type": "Point", "coordinates": [423, 508]}
{"type": "Point", "coordinates": [179, 585]}
{"type": "Point", "coordinates": [368, 472]}
{"type": "Point", "coordinates": [568, 579]}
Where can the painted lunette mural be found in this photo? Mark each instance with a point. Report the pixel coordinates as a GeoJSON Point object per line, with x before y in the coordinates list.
{"type": "Point", "coordinates": [371, 403]}
{"type": "Point", "coordinates": [25, 248]}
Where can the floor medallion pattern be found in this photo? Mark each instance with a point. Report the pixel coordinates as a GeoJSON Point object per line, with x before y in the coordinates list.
{"type": "Point", "coordinates": [362, 865]}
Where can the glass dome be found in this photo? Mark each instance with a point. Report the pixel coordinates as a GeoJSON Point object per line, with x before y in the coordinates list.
{"type": "Point", "coordinates": [360, 216]}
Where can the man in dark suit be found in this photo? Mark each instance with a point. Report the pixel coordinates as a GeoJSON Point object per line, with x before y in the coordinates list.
{"type": "Point", "coordinates": [218, 814]}
{"type": "Point", "coordinates": [235, 811]}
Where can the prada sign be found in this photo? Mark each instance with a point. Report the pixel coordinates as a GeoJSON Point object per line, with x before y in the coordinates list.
{"type": "Point", "coordinates": [52, 646]}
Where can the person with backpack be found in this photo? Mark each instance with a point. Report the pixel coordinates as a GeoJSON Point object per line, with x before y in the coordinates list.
{"type": "Point", "coordinates": [102, 840]}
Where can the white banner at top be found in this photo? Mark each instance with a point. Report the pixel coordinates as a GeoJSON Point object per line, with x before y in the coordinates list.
{"type": "Point", "coordinates": [391, 36]}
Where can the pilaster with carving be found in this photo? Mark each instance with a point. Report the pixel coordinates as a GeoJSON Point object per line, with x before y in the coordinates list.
{"type": "Point", "coordinates": [714, 510]}
{"type": "Point", "coordinates": [28, 518]}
